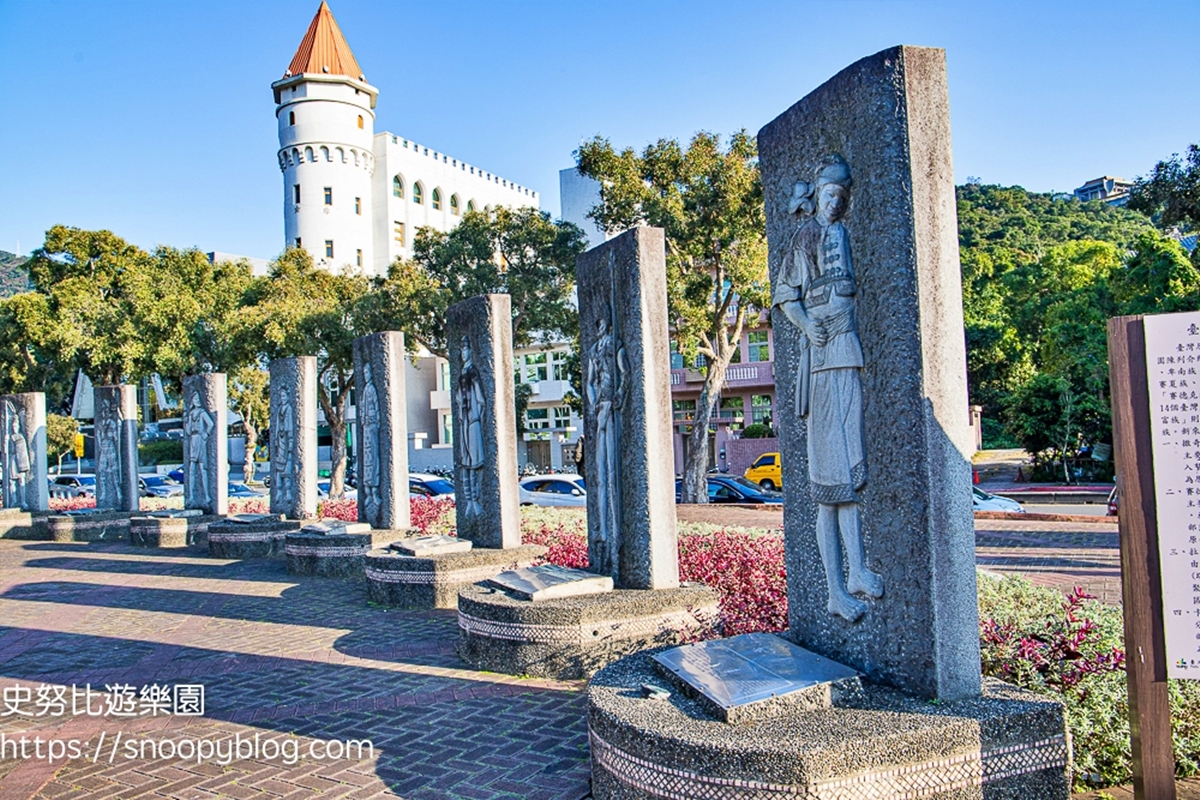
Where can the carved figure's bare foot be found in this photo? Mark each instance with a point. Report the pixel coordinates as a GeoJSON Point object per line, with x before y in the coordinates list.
{"type": "Point", "coordinates": [846, 606]}
{"type": "Point", "coordinates": [866, 582]}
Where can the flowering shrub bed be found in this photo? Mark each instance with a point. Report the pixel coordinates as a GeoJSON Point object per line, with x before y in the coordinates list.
{"type": "Point", "coordinates": [428, 515]}
{"type": "Point", "coordinates": [71, 503]}
{"type": "Point", "coordinates": [1072, 648]}
{"type": "Point", "coordinates": [748, 573]}
{"type": "Point", "coordinates": [562, 530]}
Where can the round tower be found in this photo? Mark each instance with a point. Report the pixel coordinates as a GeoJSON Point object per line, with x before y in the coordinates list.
{"type": "Point", "coordinates": [325, 110]}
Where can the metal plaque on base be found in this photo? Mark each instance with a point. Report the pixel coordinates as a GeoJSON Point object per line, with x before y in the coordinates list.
{"type": "Point", "coordinates": [550, 582]}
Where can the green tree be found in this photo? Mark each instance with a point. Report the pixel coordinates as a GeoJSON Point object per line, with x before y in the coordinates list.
{"type": "Point", "coordinates": [709, 201]}
{"type": "Point", "coordinates": [1170, 194]}
{"type": "Point", "coordinates": [250, 397]}
{"type": "Point", "coordinates": [60, 436]}
{"type": "Point", "coordinates": [29, 353]}
{"type": "Point", "coordinates": [1158, 278]}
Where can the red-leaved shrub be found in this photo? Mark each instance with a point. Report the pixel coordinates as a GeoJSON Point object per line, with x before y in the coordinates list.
{"type": "Point", "coordinates": [748, 573]}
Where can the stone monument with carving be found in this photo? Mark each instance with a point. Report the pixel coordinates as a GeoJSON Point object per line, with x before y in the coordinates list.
{"type": "Point", "coordinates": [116, 448]}
{"type": "Point", "coordinates": [553, 622]}
{"type": "Point", "coordinates": [23, 453]}
{"type": "Point", "coordinates": [870, 371]}
{"type": "Point", "coordinates": [205, 443]}
{"type": "Point", "coordinates": [294, 437]}
{"type": "Point", "coordinates": [382, 430]}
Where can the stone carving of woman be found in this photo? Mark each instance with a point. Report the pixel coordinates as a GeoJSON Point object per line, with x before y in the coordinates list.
{"type": "Point", "coordinates": [198, 425]}
{"type": "Point", "coordinates": [606, 370]}
{"type": "Point", "coordinates": [108, 445]}
{"type": "Point", "coordinates": [18, 464]}
{"type": "Point", "coordinates": [470, 416]}
{"type": "Point", "coordinates": [283, 447]}
{"type": "Point", "coordinates": [816, 292]}
{"type": "Point", "coordinates": [371, 478]}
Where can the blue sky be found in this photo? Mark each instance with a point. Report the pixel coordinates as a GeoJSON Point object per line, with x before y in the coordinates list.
{"type": "Point", "coordinates": [155, 119]}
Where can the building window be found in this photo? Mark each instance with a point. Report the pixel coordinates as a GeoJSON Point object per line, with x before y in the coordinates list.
{"type": "Point", "coordinates": [358, 206]}
{"type": "Point", "coordinates": [296, 193]}
{"type": "Point", "coordinates": [358, 257]}
{"type": "Point", "coordinates": [328, 195]}
{"type": "Point", "coordinates": [470, 205]}
{"type": "Point", "coordinates": [454, 204]}
{"type": "Point", "coordinates": [676, 356]}
{"type": "Point", "coordinates": [360, 121]}
{"type": "Point", "coordinates": [297, 241]}
{"type": "Point", "coordinates": [329, 248]}
{"type": "Point", "coordinates": [447, 428]}
{"type": "Point", "coordinates": [398, 232]}
{"type": "Point", "coordinates": [397, 187]}
{"type": "Point", "coordinates": [562, 417]}
{"type": "Point", "coordinates": [536, 368]}
{"type": "Point", "coordinates": [537, 418]}
{"type": "Point", "coordinates": [418, 194]}
{"type": "Point", "coordinates": [291, 118]}
{"type": "Point", "coordinates": [760, 407]}
{"type": "Point", "coordinates": [560, 369]}
{"type": "Point", "coordinates": [684, 410]}
{"type": "Point", "coordinates": [444, 376]}
{"type": "Point", "coordinates": [760, 349]}
{"type": "Point", "coordinates": [733, 408]}
{"type": "Point", "coordinates": [436, 200]}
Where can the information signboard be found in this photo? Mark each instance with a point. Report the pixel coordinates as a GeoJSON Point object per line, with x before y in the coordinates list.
{"type": "Point", "coordinates": [1173, 378]}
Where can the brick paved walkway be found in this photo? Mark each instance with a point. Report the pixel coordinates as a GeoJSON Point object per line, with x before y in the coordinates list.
{"type": "Point", "coordinates": [307, 660]}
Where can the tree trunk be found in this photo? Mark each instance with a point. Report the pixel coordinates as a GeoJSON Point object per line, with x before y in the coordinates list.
{"type": "Point", "coordinates": [251, 446]}
{"type": "Point", "coordinates": [695, 462]}
{"type": "Point", "coordinates": [335, 418]}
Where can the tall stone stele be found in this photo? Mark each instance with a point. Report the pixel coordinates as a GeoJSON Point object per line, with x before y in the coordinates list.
{"type": "Point", "coordinates": [205, 443]}
{"type": "Point", "coordinates": [479, 346]}
{"type": "Point", "coordinates": [294, 437]}
{"type": "Point", "coordinates": [870, 371]}
{"type": "Point", "coordinates": [382, 430]}
{"type": "Point", "coordinates": [116, 447]}
{"type": "Point", "coordinates": [626, 410]}
{"type": "Point", "coordinates": [23, 452]}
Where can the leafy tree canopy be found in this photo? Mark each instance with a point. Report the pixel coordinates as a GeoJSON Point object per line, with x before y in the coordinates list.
{"type": "Point", "coordinates": [1170, 194]}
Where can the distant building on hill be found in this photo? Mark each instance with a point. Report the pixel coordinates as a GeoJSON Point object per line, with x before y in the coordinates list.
{"type": "Point", "coordinates": [1114, 191]}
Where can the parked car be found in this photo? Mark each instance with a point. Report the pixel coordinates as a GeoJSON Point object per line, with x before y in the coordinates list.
{"type": "Point", "coordinates": [1112, 502]}
{"type": "Point", "coordinates": [424, 484]}
{"type": "Point", "coordinates": [767, 471]}
{"type": "Point", "coordinates": [347, 492]}
{"type": "Point", "coordinates": [242, 490]}
{"type": "Point", "coordinates": [176, 475]}
{"type": "Point", "coordinates": [991, 502]}
{"type": "Point", "coordinates": [73, 486]}
{"type": "Point", "coordinates": [732, 489]}
{"type": "Point", "coordinates": [553, 490]}
{"type": "Point", "coordinates": [158, 486]}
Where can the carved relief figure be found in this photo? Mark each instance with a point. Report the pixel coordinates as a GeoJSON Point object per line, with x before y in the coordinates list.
{"type": "Point", "coordinates": [816, 292]}
{"type": "Point", "coordinates": [283, 447]}
{"type": "Point", "coordinates": [470, 416]}
{"type": "Point", "coordinates": [371, 477]}
{"type": "Point", "coordinates": [607, 366]}
{"type": "Point", "coordinates": [108, 447]}
{"type": "Point", "coordinates": [198, 425]}
{"type": "Point", "coordinates": [18, 463]}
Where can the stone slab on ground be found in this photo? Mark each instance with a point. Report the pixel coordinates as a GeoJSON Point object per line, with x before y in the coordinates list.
{"type": "Point", "coordinates": [332, 554]}
{"type": "Point", "coordinates": [90, 525]}
{"type": "Point", "coordinates": [394, 579]}
{"type": "Point", "coordinates": [1007, 744]}
{"type": "Point", "coordinates": [431, 545]}
{"type": "Point", "coordinates": [171, 531]}
{"type": "Point", "coordinates": [260, 538]}
{"type": "Point", "coordinates": [573, 637]}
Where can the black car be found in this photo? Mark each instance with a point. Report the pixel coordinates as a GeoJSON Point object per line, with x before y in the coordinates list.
{"type": "Point", "coordinates": [734, 489]}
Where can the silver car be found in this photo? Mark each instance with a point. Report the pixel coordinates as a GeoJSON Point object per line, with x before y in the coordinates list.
{"type": "Point", "coordinates": [553, 490]}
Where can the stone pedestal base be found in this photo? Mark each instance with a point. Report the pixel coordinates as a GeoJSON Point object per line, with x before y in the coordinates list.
{"type": "Point", "coordinates": [254, 540]}
{"type": "Point", "coordinates": [572, 637]}
{"type": "Point", "coordinates": [1008, 744]}
{"type": "Point", "coordinates": [170, 531]}
{"type": "Point", "coordinates": [434, 581]}
{"type": "Point", "coordinates": [18, 524]}
{"type": "Point", "coordinates": [334, 555]}
{"type": "Point", "coordinates": [102, 526]}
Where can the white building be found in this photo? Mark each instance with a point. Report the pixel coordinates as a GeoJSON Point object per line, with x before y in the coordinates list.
{"type": "Point", "coordinates": [353, 196]}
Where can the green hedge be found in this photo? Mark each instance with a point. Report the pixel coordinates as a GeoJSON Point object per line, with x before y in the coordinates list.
{"type": "Point", "coordinates": [169, 450]}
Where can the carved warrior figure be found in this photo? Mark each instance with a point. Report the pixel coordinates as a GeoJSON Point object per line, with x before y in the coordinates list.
{"type": "Point", "coordinates": [108, 447]}
{"type": "Point", "coordinates": [606, 370]}
{"type": "Point", "coordinates": [371, 477]}
{"type": "Point", "coordinates": [198, 425]}
{"type": "Point", "coordinates": [17, 464]}
{"type": "Point", "coordinates": [816, 292]}
{"type": "Point", "coordinates": [283, 447]}
{"type": "Point", "coordinates": [470, 416]}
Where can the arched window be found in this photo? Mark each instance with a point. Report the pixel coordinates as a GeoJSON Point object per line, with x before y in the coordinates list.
{"type": "Point", "coordinates": [341, 155]}
{"type": "Point", "coordinates": [397, 187]}
{"type": "Point", "coordinates": [418, 193]}
{"type": "Point", "coordinates": [470, 205]}
{"type": "Point", "coordinates": [436, 199]}
{"type": "Point", "coordinates": [325, 153]}
{"type": "Point", "coordinates": [308, 155]}
{"type": "Point", "coordinates": [295, 156]}
{"type": "Point", "coordinates": [454, 204]}
{"type": "Point", "coordinates": [291, 118]}
{"type": "Point", "coordinates": [360, 122]}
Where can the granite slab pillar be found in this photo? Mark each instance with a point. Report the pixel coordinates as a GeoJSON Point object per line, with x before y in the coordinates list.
{"type": "Point", "coordinates": [116, 448]}
{"type": "Point", "coordinates": [479, 341]}
{"type": "Point", "coordinates": [23, 426]}
{"type": "Point", "coordinates": [205, 443]}
{"type": "Point", "coordinates": [382, 430]}
{"type": "Point", "coordinates": [622, 286]}
{"type": "Point", "coordinates": [294, 437]}
{"type": "Point", "coordinates": [862, 234]}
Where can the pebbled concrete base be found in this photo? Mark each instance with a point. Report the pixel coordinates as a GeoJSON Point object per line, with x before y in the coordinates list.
{"type": "Point", "coordinates": [104, 526]}
{"type": "Point", "coordinates": [18, 524]}
{"type": "Point", "coordinates": [573, 637]}
{"type": "Point", "coordinates": [337, 555]}
{"type": "Point", "coordinates": [435, 581]}
{"type": "Point", "coordinates": [1008, 744]}
{"type": "Point", "coordinates": [170, 532]}
{"type": "Point", "coordinates": [257, 540]}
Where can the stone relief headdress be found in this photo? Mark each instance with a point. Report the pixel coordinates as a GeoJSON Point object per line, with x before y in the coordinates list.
{"type": "Point", "coordinates": [803, 200]}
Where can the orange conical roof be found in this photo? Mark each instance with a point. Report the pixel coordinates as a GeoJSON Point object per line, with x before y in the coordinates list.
{"type": "Point", "coordinates": [323, 49]}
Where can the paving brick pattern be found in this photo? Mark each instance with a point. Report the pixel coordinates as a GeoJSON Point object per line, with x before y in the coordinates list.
{"type": "Point", "coordinates": [308, 660]}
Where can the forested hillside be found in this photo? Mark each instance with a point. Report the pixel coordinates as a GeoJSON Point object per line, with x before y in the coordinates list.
{"type": "Point", "coordinates": [14, 278]}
